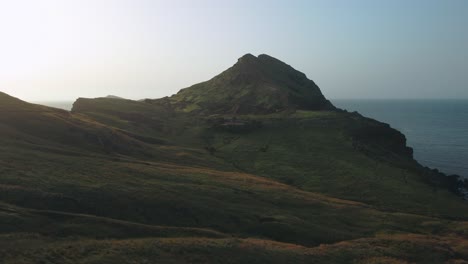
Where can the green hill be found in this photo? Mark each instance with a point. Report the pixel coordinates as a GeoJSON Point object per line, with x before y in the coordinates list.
{"type": "Point", "coordinates": [253, 166]}
{"type": "Point", "coordinates": [260, 84]}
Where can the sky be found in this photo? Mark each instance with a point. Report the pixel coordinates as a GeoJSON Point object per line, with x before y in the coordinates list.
{"type": "Point", "coordinates": [64, 49]}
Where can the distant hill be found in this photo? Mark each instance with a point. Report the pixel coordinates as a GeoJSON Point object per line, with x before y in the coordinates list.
{"type": "Point", "coordinates": [113, 97]}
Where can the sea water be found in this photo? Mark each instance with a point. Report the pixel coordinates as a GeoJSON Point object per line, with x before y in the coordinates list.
{"type": "Point", "coordinates": [66, 105]}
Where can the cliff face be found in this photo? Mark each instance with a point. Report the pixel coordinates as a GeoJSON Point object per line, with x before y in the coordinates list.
{"type": "Point", "coordinates": [366, 131]}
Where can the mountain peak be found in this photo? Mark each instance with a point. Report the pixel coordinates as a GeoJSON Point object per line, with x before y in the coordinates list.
{"type": "Point", "coordinates": [260, 84]}
{"type": "Point", "coordinates": [260, 61]}
{"type": "Point", "coordinates": [266, 57]}
{"type": "Point", "coordinates": [247, 58]}
{"type": "Point", "coordinates": [110, 96]}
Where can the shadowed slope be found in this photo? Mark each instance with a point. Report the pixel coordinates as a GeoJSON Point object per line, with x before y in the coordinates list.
{"type": "Point", "coordinates": [52, 128]}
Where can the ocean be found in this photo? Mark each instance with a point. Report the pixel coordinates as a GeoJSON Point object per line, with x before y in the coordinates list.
{"type": "Point", "coordinates": [67, 105]}
{"type": "Point", "coordinates": [437, 130]}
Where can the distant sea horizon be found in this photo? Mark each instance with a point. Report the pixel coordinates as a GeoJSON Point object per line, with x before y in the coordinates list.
{"type": "Point", "coordinates": [66, 105]}
{"type": "Point", "coordinates": [437, 129]}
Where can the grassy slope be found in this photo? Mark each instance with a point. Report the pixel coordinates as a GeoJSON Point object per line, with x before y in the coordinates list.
{"type": "Point", "coordinates": [380, 249]}
{"type": "Point", "coordinates": [46, 127]}
{"type": "Point", "coordinates": [67, 199]}
{"type": "Point", "coordinates": [157, 200]}
{"type": "Point", "coordinates": [315, 151]}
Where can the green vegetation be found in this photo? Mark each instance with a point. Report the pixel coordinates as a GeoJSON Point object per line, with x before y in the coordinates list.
{"type": "Point", "coordinates": [391, 249]}
{"type": "Point", "coordinates": [253, 85]}
{"type": "Point", "coordinates": [207, 177]}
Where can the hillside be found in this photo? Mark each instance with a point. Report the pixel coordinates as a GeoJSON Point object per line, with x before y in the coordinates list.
{"type": "Point", "coordinates": [368, 160]}
{"type": "Point", "coordinates": [252, 166]}
{"type": "Point", "coordinates": [57, 130]}
{"type": "Point", "coordinates": [259, 85]}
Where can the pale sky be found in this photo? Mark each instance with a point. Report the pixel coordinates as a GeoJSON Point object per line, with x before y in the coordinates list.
{"type": "Point", "coordinates": [64, 49]}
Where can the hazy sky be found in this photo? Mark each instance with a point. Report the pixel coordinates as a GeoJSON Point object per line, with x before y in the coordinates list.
{"type": "Point", "coordinates": [64, 49]}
